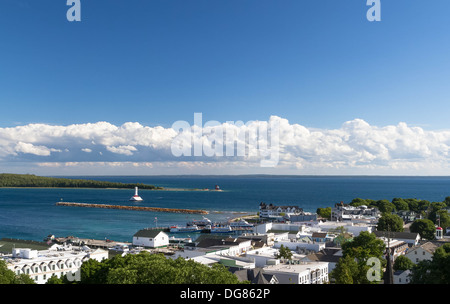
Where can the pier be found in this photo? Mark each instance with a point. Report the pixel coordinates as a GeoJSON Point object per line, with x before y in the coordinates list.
{"type": "Point", "coordinates": [136, 208]}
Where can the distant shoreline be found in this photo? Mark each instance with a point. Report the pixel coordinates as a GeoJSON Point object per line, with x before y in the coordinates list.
{"type": "Point", "coordinates": [113, 188]}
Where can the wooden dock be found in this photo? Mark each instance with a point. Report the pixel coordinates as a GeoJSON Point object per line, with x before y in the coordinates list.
{"type": "Point", "coordinates": [136, 208]}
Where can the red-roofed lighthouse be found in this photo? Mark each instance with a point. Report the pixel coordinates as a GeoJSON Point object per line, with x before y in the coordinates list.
{"type": "Point", "coordinates": [136, 197]}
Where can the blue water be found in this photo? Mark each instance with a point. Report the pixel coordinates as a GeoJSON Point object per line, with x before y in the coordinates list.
{"type": "Point", "coordinates": [32, 214]}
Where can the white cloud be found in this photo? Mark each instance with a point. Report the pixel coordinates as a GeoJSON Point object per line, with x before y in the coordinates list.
{"type": "Point", "coordinates": [125, 150]}
{"type": "Point", "coordinates": [356, 146]}
{"type": "Point", "coordinates": [28, 148]}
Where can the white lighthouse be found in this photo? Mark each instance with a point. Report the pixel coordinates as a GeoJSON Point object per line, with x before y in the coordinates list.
{"type": "Point", "coordinates": [136, 196]}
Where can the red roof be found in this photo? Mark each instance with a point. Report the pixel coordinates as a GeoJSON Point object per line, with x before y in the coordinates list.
{"type": "Point", "coordinates": [438, 228]}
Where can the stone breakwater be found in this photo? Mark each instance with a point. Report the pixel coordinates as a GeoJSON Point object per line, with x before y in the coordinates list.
{"type": "Point", "coordinates": [136, 208]}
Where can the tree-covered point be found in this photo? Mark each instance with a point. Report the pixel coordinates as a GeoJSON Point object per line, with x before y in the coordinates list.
{"type": "Point", "coordinates": [30, 180]}
{"type": "Point", "coordinates": [402, 204]}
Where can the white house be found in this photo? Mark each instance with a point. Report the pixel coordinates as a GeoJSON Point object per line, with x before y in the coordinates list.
{"type": "Point", "coordinates": [402, 277]}
{"type": "Point", "coordinates": [58, 260]}
{"type": "Point", "coordinates": [422, 252]}
{"type": "Point", "coordinates": [150, 238]}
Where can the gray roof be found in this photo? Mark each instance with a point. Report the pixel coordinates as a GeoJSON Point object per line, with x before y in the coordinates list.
{"type": "Point", "coordinates": [397, 235]}
{"type": "Point", "coordinates": [150, 233]}
{"type": "Point", "coordinates": [255, 275]}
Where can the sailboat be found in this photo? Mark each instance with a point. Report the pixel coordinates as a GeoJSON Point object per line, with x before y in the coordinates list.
{"type": "Point", "coordinates": [136, 197]}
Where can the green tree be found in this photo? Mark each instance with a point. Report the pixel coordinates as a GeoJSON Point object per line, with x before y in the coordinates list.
{"type": "Point", "coordinates": [359, 250]}
{"type": "Point", "coordinates": [403, 263]}
{"type": "Point", "coordinates": [346, 268]}
{"type": "Point", "coordinates": [356, 202]}
{"type": "Point", "coordinates": [400, 204]}
{"type": "Point", "coordinates": [364, 246]}
{"type": "Point", "coordinates": [385, 206]}
{"type": "Point", "coordinates": [284, 253]}
{"type": "Point", "coordinates": [324, 212]}
{"type": "Point", "coordinates": [7, 276]}
{"type": "Point", "coordinates": [447, 201]}
{"type": "Point", "coordinates": [146, 268]}
{"type": "Point", "coordinates": [54, 280]}
{"type": "Point", "coordinates": [425, 228]}
{"type": "Point", "coordinates": [390, 222]}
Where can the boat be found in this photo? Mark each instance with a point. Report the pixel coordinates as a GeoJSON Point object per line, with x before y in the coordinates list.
{"type": "Point", "coordinates": [136, 197]}
{"type": "Point", "coordinates": [241, 224]}
{"type": "Point", "coordinates": [219, 229]}
{"type": "Point", "coordinates": [178, 229]}
{"type": "Point", "coordinates": [199, 223]}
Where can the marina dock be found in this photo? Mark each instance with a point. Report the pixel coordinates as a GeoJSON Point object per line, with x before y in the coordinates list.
{"type": "Point", "coordinates": [136, 208]}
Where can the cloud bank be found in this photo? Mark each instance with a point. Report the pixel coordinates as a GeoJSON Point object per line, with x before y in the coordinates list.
{"type": "Point", "coordinates": [355, 148]}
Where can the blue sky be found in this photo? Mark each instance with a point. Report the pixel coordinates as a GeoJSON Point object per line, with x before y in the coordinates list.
{"type": "Point", "coordinates": [316, 63]}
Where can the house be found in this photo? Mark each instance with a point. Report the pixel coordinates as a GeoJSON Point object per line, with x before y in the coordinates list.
{"type": "Point", "coordinates": [150, 238]}
{"type": "Point", "coordinates": [321, 237]}
{"type": "Point", "coordinates": [272, 211]}
{"type": "Point", "coordinates": [40, 265]}
{"type": "Point", "coordinates": [421, 252]}
{"type": "Point", "coordinates": [402, 276]}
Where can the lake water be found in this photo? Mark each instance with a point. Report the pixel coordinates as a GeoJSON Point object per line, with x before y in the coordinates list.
{"type": "Point", "coordinates": [32, 214]}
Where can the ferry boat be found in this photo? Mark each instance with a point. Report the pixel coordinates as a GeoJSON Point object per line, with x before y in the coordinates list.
{"type": "Point", "coordinates": [136, 197]}
{"type": "Point", "coordinates": [191, 229]}
{"type": "Point", "coordinates": [241, 224]}
{"type": "Point", "coordinates": [199, 223]}
{"type": "Point", "coordinates": [217, 229]}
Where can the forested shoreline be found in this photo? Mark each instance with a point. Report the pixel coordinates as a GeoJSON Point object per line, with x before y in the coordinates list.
{"type": "Point", "coordinates": [8, 180]}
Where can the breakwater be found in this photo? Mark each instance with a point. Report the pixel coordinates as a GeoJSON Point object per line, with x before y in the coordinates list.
{"type": "Point", "coordinates": [136, 208]}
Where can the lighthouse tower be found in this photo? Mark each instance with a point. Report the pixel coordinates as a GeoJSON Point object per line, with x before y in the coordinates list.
{"type": "Point", "coordinates": [136, 196]}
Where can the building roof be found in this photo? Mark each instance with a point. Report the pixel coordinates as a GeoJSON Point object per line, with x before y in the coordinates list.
{"type": "Point", "coordinates": [428, 246]}
{"type": "Point", "coordinates": [319, 234]}
{"type": "Point", "coordinates": [254, 276]}
{"type": "Point", "coordinates": [150, 233]}
{"type": "Point", "coordinates": [397, 235]}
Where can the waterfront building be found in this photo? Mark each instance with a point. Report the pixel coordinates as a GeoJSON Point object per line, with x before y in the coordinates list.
{"type": "Point", "coordinates": [344, 212]}
{"type": "Point", "coordinates": [40, 265]}
{"type": "Point", "coordinates": [150, 238]}
{"type": "Point", "coordinates": [278, 212]}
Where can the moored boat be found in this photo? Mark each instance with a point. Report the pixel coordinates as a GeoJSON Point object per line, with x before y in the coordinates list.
{"type": "Point", "coordinates": [218, 229]}
{"type": "Point", "coordinates": [199, 223]}
{"type": "Point", "coordinates": [178, 229]}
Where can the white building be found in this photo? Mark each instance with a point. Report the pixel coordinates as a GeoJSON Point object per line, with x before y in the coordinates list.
{"type": "Point", "coordinates": [299, 273]}
{"type": "Point", "coordinates": [422, 252]}
{"type": "Point", "coordinates": [267, 256]}
{"type": "Point", "coordinates": [343, 212]}
{"type": "Point", "coordinates": [272, 211]}
{"type": "Point", "coordinates": [402, 277]}
{"type": "Point", "coordinates": [58, 260]}
{"type": "Point", "coordinates": [150, 238]}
